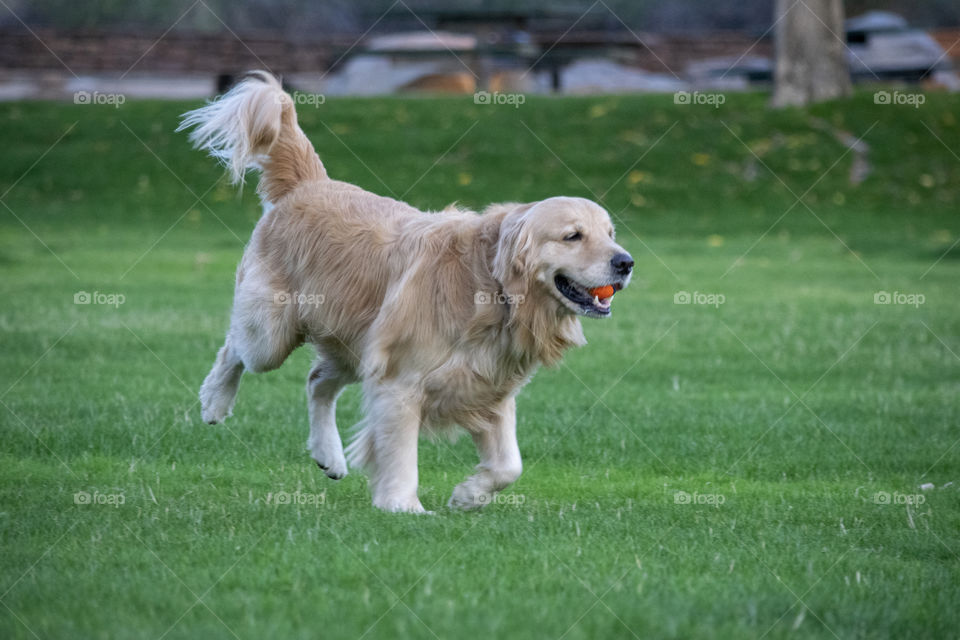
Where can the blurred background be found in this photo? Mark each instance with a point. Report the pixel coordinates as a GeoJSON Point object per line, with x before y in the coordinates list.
{"type": "Point", "coordinates": [193, 48]}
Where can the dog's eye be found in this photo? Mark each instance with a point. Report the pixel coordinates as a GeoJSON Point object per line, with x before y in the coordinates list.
{"type": "Point", "coordinates": [573, 237]}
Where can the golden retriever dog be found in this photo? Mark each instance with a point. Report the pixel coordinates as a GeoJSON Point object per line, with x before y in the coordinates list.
{"type": "Point", "coordinates": [442, 317]}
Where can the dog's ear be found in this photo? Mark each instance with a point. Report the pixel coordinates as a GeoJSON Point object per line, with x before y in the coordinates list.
{"type": "Point", "coordinates": [510, 262]}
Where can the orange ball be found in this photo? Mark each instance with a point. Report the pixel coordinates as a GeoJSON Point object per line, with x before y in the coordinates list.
{"type": "Point", "coordinates": [602, 292]}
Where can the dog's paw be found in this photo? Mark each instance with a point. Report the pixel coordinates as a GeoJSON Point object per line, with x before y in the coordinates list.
{"type": "Point", "coordinates": [466, 498]}
{"type": "Point", "coordinates": [214, 409]}
{"type": "Point", "coordinates": [400, 505]}
{"type": "Point", "coordinates": [334, 465]}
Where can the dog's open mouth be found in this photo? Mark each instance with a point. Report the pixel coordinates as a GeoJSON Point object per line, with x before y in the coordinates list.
{"type": "Point", "coordinates": [588, 301]}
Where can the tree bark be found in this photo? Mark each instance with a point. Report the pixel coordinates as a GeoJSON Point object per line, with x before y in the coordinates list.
{"type": "Point", "coordinates": [811, 62]}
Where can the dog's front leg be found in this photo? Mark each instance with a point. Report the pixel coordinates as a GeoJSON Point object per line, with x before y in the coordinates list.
{"type": "Point", "coordinates": [394, 424]}
{"type": "Point", "coordinates": [500, 463]}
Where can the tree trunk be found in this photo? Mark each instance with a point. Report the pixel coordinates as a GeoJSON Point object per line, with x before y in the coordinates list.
{"type": "Point", "coordinates": [811, 60]}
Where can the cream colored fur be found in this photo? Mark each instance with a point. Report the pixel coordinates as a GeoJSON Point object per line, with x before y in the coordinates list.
{"type": "Point", "coordinates": [442, 317]}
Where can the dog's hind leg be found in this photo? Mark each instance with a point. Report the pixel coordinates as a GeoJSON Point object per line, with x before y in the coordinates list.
{"type": "Point", "coordinates": [263, 332]}
{"type": "Point", "coordinates": [325, 382]}
{"type": "Point", "coordinates": [219, 389]}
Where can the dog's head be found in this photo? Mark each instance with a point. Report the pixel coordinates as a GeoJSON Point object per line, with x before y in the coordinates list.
{"type": "Point", "coordinates": [562, 250]}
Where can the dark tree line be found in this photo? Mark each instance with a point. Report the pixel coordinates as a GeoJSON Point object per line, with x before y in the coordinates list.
{"type": "Point", "coordinates": [312, 17]}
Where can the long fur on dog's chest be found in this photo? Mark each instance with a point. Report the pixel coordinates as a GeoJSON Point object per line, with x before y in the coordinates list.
{"type": "Point", "coordinates": [469, 385]}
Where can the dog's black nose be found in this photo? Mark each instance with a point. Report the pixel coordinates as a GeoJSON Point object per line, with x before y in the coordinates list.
{"type": "Point", "coordinates": [622, 263]}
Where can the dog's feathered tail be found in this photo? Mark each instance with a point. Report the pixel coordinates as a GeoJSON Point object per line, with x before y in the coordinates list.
{"type": "Point", "coordinates": [254, 126]}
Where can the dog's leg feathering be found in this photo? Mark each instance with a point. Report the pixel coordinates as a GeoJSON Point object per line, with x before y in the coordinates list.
{"type": "Point", "coordinates": [500, 463]}
{"type": "Point", "coordinates": [219, 389]}
{"type": "Point", "coordinates": [324, 384]}
{"type": "Point", "coordinates": [385, 444]}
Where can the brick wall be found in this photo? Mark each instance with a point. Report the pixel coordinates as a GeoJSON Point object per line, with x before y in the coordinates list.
{"type": "Point", "coordinates": [949, 39]}
{"type": "Point", "coordinates": [98, 51]}
{"type": "Point", "coordinates": [92, 51]}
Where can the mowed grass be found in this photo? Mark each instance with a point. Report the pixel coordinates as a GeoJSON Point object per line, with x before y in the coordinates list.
{"type": "Point", "coordinates": [783, 412]}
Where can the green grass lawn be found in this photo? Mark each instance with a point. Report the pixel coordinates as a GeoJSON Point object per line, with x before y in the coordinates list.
{"type": "Point", "coordinates": [788, 413]}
